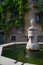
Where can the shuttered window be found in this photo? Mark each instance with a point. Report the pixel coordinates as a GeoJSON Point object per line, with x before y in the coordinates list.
{"type": "Point", "coordinates": [13, 38]}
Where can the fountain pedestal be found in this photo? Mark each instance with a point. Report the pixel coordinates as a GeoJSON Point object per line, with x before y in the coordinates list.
{"type": "Point", "coordinates": [32, 44]}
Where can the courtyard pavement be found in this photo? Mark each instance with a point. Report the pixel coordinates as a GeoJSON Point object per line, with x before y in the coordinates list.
{"type": "Point", "coordinates": [8, 61]}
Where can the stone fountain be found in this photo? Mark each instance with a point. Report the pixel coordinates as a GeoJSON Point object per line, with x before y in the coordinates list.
{"type": "Point", "coordinates": [32, 44]}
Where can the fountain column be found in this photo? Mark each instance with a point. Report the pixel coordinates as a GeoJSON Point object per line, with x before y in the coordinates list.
{"type": "Point", "coordinates": [32, 44]}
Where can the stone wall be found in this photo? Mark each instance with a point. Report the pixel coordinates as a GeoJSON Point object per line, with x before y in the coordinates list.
{"type": "Point", "coordinates": [29, 16]}
{"type": "Point", "coordinates": [16, 36]}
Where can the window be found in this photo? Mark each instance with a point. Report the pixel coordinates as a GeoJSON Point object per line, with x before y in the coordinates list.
{"type": "Point", "coordinates": [15, 15]}
{"type": "Point", "coordinates": [40, 38]}
{"type": "Point", "coordinates": [1, 1]}
{"type": "Point", "coordinates": [35, 1]}
{"type": "Point", "coordinates": [1, 37]}
{"type": "Point", "coordinates": [38, 18]}
{"type": "Point", "coordinates": [13, 38]}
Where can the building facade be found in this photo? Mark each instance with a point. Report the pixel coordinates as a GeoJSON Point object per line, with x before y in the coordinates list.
{"type": "Point", "coordinates": [19, 35]}
{"type": "Point", "coordinates": [34, 13]}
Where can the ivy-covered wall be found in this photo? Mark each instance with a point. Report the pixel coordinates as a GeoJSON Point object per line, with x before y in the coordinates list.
{"type": "Point", "coordinates": [40, 10]}
{"type": "Point", "coordinates": [12, 14]}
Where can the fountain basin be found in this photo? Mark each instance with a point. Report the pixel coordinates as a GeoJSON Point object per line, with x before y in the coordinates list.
{"type": "Point", "coordinates": [18, 52]}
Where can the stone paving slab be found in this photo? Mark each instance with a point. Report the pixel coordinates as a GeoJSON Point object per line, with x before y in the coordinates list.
{"type": "Point", "coordinates": [18, 63]}
{"type": "Point", "coordinates": [8, 61]}
{"type": "Point", "coordinates": [28, 64]}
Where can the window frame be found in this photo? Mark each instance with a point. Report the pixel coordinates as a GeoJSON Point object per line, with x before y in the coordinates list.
{"type": "Point", "coordinates": [35, 1]}
{"type": "Point", "coordinates": [40, 18]}
{"type": "Point", "coordinates": [13, 38]}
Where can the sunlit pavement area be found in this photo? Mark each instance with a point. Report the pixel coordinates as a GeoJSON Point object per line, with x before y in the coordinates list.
{"type": "Point", "coordinates": [8, 61]}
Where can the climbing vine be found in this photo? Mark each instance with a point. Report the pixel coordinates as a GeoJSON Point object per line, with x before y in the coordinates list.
{"type": "Point", "coordinates": [40, 9]}
{"type": "Point", "coordinates": [12, 14]}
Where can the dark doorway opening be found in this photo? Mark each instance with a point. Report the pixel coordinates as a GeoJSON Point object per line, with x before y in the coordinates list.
{"type": "Point", "coordinates": [1, 37]}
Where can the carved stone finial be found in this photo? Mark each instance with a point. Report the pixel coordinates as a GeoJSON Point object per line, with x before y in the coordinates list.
{"type": "Point", "coordinates": [32, 22]}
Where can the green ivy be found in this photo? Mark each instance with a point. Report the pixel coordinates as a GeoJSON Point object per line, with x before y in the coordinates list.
{"type": "Point", "coordinates": [10, 7]}
{"type": "Point", "coordinates": [40, 6]}
{"type": "Point", "coordinates": [40, 9]}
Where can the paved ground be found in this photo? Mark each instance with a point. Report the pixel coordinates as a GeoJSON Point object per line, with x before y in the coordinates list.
{"type": "Point", "coordinates": [8, 61]}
